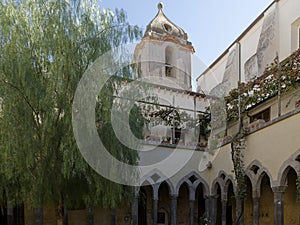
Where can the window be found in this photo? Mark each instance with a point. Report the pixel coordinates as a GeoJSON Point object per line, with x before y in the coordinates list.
{"type": "Point", "coordinates": [295, 28]}
{"type": "Point", "coordinates": [139, 72]}
{"type": "Point", "coordinates": [168, 70]}
{"type": "Point", "coordinates": [167, 27]}
{"type": "Point", "coordinates": [263, 115]}
{"type": "Point", "coordinates": [299, 37]}
{"type": "Point", "coordinates": [169, 62]}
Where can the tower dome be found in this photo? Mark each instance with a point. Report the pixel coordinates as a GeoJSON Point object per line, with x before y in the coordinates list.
{"type": "Point", "coordinates": [161, 27]}
{"type": "Point", "coordinates": [164, 54]}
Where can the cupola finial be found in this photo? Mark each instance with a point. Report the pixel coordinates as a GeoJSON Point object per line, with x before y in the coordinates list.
{"type": "Point", "coordinates": [160, 5]}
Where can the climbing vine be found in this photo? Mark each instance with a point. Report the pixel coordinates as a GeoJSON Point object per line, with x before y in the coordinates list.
{"type": "Point", "coordinates": [237, 147]}
{"type": "Point", "coordinates": [237, 154]}
{"type": "Point", "coordinates": [298, 187]}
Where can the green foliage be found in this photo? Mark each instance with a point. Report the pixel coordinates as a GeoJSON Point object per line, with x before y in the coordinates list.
{"type": "Point", "coordinates": [45, 47]}
{"type": "Point", "coordinates": [202, 220]}
{"type": "Point", "coordinates": [265, 86]}
{"type": "Point", "coordinates": [237, 155]}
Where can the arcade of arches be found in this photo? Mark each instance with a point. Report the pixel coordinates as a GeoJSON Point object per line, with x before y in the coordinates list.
{"type": "Point", "coordinates": [193, 202]}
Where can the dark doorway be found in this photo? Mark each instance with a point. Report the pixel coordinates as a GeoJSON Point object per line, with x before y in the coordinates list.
{"type": "Point", "coordinates": [219, 206]}
{"type": "Point", "coordinates": [229, 215]}
{"type": "Point", "coordinates": [201, 202]}
{"type": "Point", "coordinates": [142, 218]}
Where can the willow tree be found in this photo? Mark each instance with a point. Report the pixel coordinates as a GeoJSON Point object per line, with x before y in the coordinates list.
{"type": "Point", "coordinates": [45, 48]}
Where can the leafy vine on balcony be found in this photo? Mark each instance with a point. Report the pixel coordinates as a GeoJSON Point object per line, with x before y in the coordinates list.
{"type": "Point", "coordinates": [265, 86]}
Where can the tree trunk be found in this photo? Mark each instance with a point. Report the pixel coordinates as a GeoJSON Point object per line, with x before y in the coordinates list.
{"type": "Point", "coordinates": [59, 215]}
{"type": "Point", "coordinates": [62, 217]}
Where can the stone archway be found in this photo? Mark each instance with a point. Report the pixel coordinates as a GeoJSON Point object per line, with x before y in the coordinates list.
{"type": "Point", "coordinates": [248, 202]}
{"type": "Point", "coordinates": [183, 209]}
{"type": "Point", "coordinates": [145, 205]}
{"type": "Point", "coordinates": [163, 212]}
{"type": "Point", "coordinates": [266, 212]}
{"type": "Point", "coordinates": [200, 210]}
{"type": "Point", "coordinates": [219, 204]}
{"type": "Point", "coordinates": [196, 191]}
{"type": "Point", "coordinates": [291, 203]}
{"type": "Point", "coordinates": [230, 205]}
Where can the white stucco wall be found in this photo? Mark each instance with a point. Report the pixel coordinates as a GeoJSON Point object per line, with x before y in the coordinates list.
{"type": "Point", "coordinates": [152, 54]}
{"type": "Point", "coordinates": [281, 22]}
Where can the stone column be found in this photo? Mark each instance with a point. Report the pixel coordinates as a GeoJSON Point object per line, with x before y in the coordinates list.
{"type": "Point", "coordinates": [278, 204]}
{"type": "Point", "coordinates": [192, 207]}
{"type": "Point", "coordinates": [173, 209]}
{"type": "Point", "coordinates": [224, 211]}
{"type": "Point", "coordinates": [155, 205]}
{"type": "Point", "coordinates": [212, 211]}
{"type": "Point", "coordinates": [155, 188]}
{"type": "Point", "coordinates": [207, 207]}
{"type": "Point", "coordinates": [135, 211]}
{"type": "Point", "coordinates": [256, 210]}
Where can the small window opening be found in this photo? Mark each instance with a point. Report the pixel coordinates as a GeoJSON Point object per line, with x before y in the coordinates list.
{"type": "Point", "coordinates": [169, 61]}
{"type": "Point", "coordinates": [223, 176]}
{"type": "Point", "coordinates": [167, 27]}
{"type": "Point", "coordinates": [255, 169]}
{"type": "Point", "coordinates": [299, 37]}
{"type": "Point", "coordinates": [193, 179]}
{"type": "Point", "coordinates": [263, 115]}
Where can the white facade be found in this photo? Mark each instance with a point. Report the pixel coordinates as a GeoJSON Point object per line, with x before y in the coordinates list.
{"type": "Point", "coordinates": [276, 30]}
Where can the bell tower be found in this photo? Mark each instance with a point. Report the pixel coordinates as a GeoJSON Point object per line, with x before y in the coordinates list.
{"type": "Point", "coordinates": [164, 54]}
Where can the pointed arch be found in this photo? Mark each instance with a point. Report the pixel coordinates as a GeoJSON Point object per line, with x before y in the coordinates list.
{"type": "Point", "coordinates": [260, 178]}
{"type": "Point", "coordinates": [229, 180]}
{"type": "Point", "coordinates": [292, 162]}
{"type": "Point", "coordinates": [283, 177]}
{"type": "Point", "coordinates": [188, 180]}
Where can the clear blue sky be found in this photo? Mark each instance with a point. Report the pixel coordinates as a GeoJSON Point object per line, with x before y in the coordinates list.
{"type": "Point", "coordinates": [212, 25]}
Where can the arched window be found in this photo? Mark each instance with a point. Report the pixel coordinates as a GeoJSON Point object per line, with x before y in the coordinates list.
{"type": "Point", "coordinates": [169, 62]}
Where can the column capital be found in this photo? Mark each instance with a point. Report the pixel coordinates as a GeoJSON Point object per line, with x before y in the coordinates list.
{"type": "Point", "coordinates": [255, 194]}
{"type": "Point", "coordinates": [173, 196]}
{"type": "Point", "coordinates": [279, 189]}
{"type": "Point", "coordinates": [215, 196]}
{"type": "Point", "coordinates": [155, 198]}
